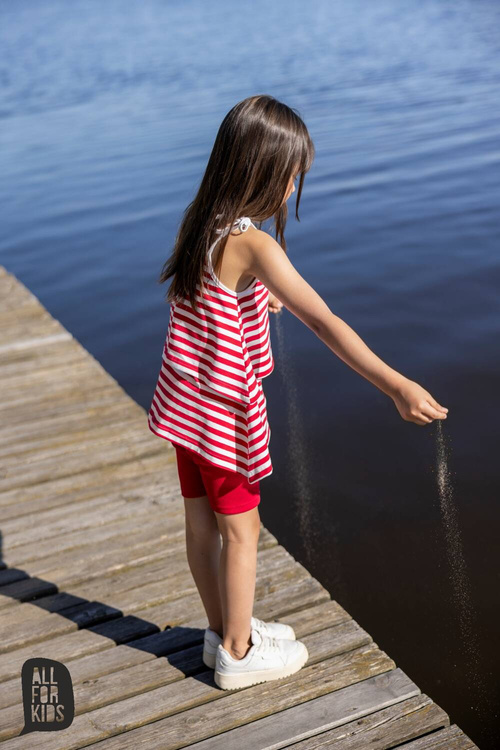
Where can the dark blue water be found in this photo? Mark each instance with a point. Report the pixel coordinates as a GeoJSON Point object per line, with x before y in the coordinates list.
{"type": "Point", "coordinates": [108, 112]}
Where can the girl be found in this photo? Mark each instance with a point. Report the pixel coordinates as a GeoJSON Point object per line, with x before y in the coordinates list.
{"type": "Point", "coordinates": [209, 402]}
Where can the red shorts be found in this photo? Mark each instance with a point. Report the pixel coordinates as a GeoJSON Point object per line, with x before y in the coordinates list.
{"type": "Point", "coordinates": [227, 491]}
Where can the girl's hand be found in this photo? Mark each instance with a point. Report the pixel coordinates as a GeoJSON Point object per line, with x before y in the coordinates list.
{"type": "Point", "coordinates": [415, 404]}
{"type": "Point", "coordinates": [274, 305]}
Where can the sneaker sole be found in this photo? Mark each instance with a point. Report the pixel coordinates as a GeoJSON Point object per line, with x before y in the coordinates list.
{"type": "Point", "coordinates": [246, 679]}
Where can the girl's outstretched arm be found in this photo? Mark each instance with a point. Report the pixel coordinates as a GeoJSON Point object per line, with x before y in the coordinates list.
{"type": "Point", "coordinates": [268, 262]}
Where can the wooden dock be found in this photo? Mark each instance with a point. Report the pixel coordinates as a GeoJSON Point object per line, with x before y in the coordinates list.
{"type": "Point", "coordinates": [94, 574]}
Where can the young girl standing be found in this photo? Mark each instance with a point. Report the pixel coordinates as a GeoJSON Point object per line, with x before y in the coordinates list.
{"type": "Point", "coordinates": [209, 401]}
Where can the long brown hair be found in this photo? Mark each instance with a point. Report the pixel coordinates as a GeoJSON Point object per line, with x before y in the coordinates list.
{"type": "Point", "coordinates": [260, 145]}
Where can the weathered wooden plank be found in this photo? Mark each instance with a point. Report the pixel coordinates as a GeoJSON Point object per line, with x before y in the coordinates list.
{"type": "Point", "coordinates": [41, 384]}
{"type": "Point", "coordinates": [56, 521]}
{"type": "Point", "coordinates": [318, 715]}
{"type": "Point", "coordinates": [44, 594]}
{"type": "Point", "coordinates": [26, 405]}
{"type": "Point", "coordinates": [383, 729]}
{"type": "Point", "coordinates": [26, 552]}
{"type": "Point", "coordinates": [92, 523]}
{"type": "Point", "coordinates": [90, 482]}
{"type": "Point", "coordinates": [451, 738]}
{"type": "Point", "coordinates": [74, 398]}
{"type": "Point", "coordinates": [154, 719]}
{"type": "Point", "coordinates": [40, 335]}
{"type": "Point", "coordinates": [38, 471]}
{"type": "Point", "coordinates": [24, 556]}
{"type": "Point", "coordinates": [72, 392]}
{"type": "Point", "coordinates": [142, 553]}
{"type": "Point", "coordinates": [95, 513]}
{"type": "Point", "coordinates": [73, 404]}
{"type": "Point", "coordinates": [51, 436]}
{"type": "Point", "coordinates": [60, 445]}
{"type": "Point", "coordinates": [19, 363]}
{"type": "Point", "coordinates": [160, 483]}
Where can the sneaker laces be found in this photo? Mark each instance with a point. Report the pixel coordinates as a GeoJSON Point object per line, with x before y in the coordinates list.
{"type": "Point", "coordinates": [260, 624]}
{"type": "Point", "coordinates": [269, 643]}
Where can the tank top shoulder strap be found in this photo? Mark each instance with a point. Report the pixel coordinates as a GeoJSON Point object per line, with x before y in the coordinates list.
{"type": "Point", "coordinates": [243, 223]}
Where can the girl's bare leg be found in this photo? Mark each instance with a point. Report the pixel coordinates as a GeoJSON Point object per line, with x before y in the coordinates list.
{"type": "Point", "coordinates": [224, 576]}
{"type": "Point", "coordinates": [203, 547]}
{"type": "Point", "coordinates": [237, 573]}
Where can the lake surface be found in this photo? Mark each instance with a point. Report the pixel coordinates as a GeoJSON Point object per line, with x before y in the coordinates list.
{"type": "Point", "coordinates": [107, 119]}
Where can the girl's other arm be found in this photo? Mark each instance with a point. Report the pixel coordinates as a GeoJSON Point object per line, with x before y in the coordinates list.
{"type": "Point", "coordinates": [268, 262]}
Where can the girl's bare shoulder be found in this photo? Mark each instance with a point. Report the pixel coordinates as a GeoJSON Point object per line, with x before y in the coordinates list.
{"type": "Point", "coordinates": [258, 242]}
{"type": "Point", "coordinates": [259, 237]}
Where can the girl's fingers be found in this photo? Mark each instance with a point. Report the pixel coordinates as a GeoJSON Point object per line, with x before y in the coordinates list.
{"type": "Point", "coordinates": [435, 404]}
{"type": "Point", "coordinates": [436, 413]}
{"type": "Point", "coordinates": [432, 413]}
{"type": "Point", "coordinates": [421, 420]}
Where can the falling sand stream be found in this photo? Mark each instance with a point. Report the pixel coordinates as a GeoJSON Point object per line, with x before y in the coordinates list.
{"type": "Point", "coordinates": [459, 577]}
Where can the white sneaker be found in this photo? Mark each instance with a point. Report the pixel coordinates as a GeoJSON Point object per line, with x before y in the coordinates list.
{"type": "Point", "coordinates": [268, 659]}
{"type": "Point", "coordinates": [212, 639]}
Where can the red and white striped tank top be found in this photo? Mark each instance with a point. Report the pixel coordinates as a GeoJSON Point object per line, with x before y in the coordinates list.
{"type": "Point", "coordinates": [209, 394]}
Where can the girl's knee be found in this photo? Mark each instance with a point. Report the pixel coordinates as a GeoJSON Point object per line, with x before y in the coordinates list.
{"type": "Point", "coordinates": [239, 527]}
